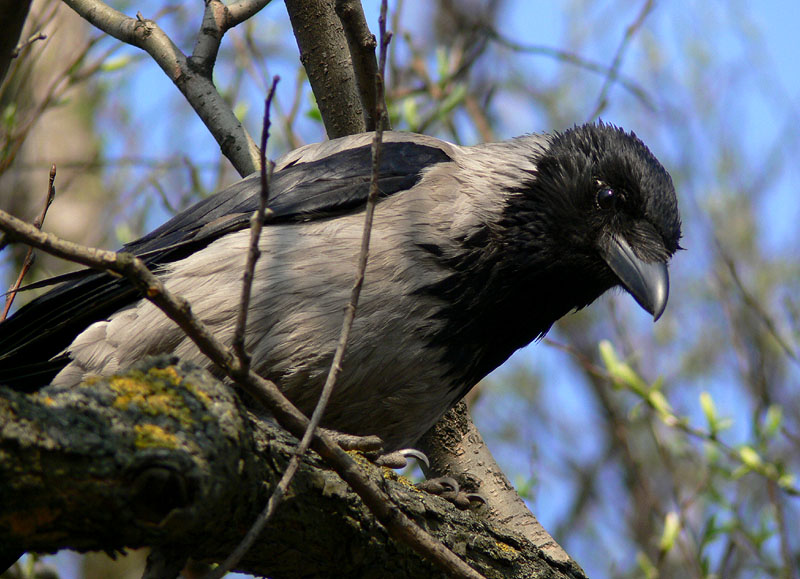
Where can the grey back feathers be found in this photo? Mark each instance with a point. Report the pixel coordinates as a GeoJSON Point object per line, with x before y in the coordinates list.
{"type": "Point", "coordinates": [465, 266]}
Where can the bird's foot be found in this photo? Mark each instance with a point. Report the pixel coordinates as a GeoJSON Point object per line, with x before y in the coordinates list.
{"type": "Point", "coordinates": [372, 447]}
{"type": "Point", "coordinates": [449, 489]}
{"type": "Point", "coordinates": [366, 444]}
{"type": "Point", "coordinates": [399, 458]}
{"type": "Point", "coordinates": [445, 487]}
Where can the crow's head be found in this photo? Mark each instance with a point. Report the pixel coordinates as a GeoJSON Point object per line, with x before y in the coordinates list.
{"type": "Point", "coordinates": [600, 203]}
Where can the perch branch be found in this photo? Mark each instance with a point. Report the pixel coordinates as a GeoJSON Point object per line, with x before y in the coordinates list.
{"type": "Point", "coordinates": [234, 140]}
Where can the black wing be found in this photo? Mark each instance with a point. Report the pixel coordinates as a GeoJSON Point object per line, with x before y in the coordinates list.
{"type": "Point", "coordinates": [32, 339]}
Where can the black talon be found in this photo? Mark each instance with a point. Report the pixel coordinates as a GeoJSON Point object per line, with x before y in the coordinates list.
{"type": "Point", "coordinates": [441, 486]}
{"type": "Point", "coordinates": [399, 458]}
{"type": "Point", "coordinates": [414, 453]}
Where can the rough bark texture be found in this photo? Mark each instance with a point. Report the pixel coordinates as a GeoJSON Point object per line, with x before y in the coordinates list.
{"type": "Point", "coordinates": [456, 449]}
{"type": "Point", "coordinates": [326, 57]}
{"type": "Point", "coordinates": [167, 456]}
{"type": "Point", "coordinates": [362, 44]}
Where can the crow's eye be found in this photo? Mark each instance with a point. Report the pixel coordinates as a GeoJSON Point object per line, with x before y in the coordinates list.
{"type": "Point", "coordinates": [610, 200]}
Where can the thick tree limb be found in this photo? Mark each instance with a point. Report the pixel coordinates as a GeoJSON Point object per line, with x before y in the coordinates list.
{"type": "Point", "coordinates": [166, 455]}
{"type": "Point", "coordinates": [194, 82]}
{"type": "Point", "coordinates": [326, 58]}
{"type": "Point", "coordinates": [456, 449]}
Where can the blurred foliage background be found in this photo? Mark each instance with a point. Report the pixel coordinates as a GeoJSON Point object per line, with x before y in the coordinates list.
{"type": "Point", "coordinates": [667, 450]}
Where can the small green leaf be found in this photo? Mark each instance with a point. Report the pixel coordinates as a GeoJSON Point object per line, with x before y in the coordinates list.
{"type": "Point", "coordinates": [609, 355]}
{"type": "Point", "coordinates": [411, 112]}
{"type": "Point", "coordinates": [649, 570]}
{"type": "Point", "coordinates": [114, 64]}
{"type": "Point", "coordinates": [240, 110]}
{"type": "Point", "coordinates": [455, 98]}
{"type": "Point", "coordinates": [709, 409]}
{"type": "Point", "coordinates": [773, 420]}
{"type": "Point", "coordinates": [442, 64]}
{"type": "Point", "coordinates": [786, 480]}
{"type": "Point", "coordinates": [672, 527]}
{"type": "Point", "coordinates": [750, 458]}
{"type": "Point", "coordinates": [659, 402]}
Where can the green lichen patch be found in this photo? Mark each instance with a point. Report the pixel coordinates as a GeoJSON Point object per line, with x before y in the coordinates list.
{"type": "Point", "coordinates": [152, 436]}
{"type": "Point", "coordinates": [155, 393]}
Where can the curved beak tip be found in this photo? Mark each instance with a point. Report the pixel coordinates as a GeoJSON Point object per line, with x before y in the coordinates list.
{"type": "Point", "coordinates": [647, 282]}
{"type": "Point", "coordinates": [658, 293]}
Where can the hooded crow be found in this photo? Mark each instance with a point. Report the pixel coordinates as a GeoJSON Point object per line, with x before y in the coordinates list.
{"type": "Point", "coordinates": [475, 252]}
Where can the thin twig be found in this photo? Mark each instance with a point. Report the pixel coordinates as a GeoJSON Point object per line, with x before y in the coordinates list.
{"type": "Point", "coordinates": [67, 78]}
{"type": "Point", "coordinates": [613, 72]}
{"type": "Point", "coordinates": [280, 490]}
{"type": "Point", "coordinates": [198, 88]}
{"type": "Point", "coordinates": [29, 257]}
{"type": "Point", "coordinates": [23, 45]}
{"type": "Point", "coordinates": [676, 422]}
{"type": "Point", "coordinates": [369, 213]}
{"type": "Point", "coordinates": [256, 224]}
{"type": "Point", "coordinates": [756, 307]}
{"type": "Point", "coordinates": [574, 59]}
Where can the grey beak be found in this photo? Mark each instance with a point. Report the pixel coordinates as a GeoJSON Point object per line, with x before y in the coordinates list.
{"type": "Point", "coordinates": [647, 282]}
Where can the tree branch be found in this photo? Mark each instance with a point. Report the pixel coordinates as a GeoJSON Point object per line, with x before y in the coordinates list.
{"type": "Point", "coordinates": [456, 449]}
{"type": "Point", "coordinates": [613, 71]}
{"type": "Point", "coordinates": [326, 58]}
{"type": "Point", "coordinates": [361, 43]}
{"type": "Point", "coordinates": [217, 20]}
{"type": "Point", "coordinates": [350, 313]}
{"type": "Point", "coordinates": [166, 455]}
{"type": "Point", "coordinates": [196, 85]}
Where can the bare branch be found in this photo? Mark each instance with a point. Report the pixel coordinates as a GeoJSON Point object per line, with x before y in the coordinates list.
{"type": "Point", "coordinates": [576, 60]}
{"type": "Point", "coordinates": [350, 312]}
{"type": "Point", "coordinates": [29, 256]}
{"type": "Point", "coordinates": [242, 10]}
{"type": "Point", "coordinates": [23, 45]}
{"type": "Point", "coordinates": [362, 44]}
{"type": "Point", "coordinates": [613, 72]}
{"type": "Point", "coordinates": [256, 224]}
{"type": "Point", "coordinates": [217, 20]}
{"type": "Point", "coordinates": [185, 466]}
{"type": "Point", "coordinates": [456, 448]}
{"type": "Point", "coordinates": [326, 58]}
{"type": "Point", "coordinates": [234, 140]}
{"type": "Point", "coordinates": [753, 303]}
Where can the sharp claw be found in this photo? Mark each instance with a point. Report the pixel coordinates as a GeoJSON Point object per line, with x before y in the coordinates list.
{"type": "Point", "coordinates": [414, 453]}
{"type": "Point", "coordinates": [399, 458]}
{"type": "Point", "coordinates": [476, 497]}
{"type": "Point", "coordinates": [449, 489]}
{"type": "Point", "coordinates": [440, 486]}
